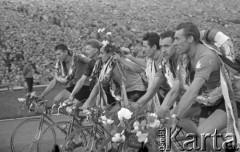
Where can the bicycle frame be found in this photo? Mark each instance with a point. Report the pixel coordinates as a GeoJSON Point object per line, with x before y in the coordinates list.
{"type": "Point", "coordinates": [41, 121]}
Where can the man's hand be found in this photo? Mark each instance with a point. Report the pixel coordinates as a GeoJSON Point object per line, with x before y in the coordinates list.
{"type": "Point", "coordinates": [125, 50]}
{"type": "Point", "coordinates": [71, 98]}
{"type": "Point", "coordinates": [41, 97]}
{"type": "Point", "coordinates": [163, 112]}
{"type": "Point", "coordinates": [84, 107]}
{"type": "Point", "coordinates": [135, 107]}
{"type": "Point", "coordinates": [128, 56]}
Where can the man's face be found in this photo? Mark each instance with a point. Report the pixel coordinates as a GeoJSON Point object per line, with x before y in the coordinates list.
{"type": "Point", "coordinates": [90, 51]}
{"type": "Point", "coordinates": [61, 55]}
{"type": "Point", "coordinates": [104, 55]}
{"type": "Point", "coordinates": [181, 42]}
{"type": "Point", "coordinates": [150, 51]}
{"type": "Point", "coordinates": [167, 47]}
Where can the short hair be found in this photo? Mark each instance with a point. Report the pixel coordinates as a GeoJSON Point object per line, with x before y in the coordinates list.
{"type": "Point", "coordinates": [167, 34]}
{"type": "Point", "coordinates": [190, 29]}
{"type": "Point", "coordinates": [62, 47]}
{"type": "Point", "coordinates": [94, 43]}
{"type": "Point", "coordinates": [152, 38]}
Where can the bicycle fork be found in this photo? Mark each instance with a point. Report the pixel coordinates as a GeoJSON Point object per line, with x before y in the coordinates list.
{"type": "Point", "coordinates": [36, 138]}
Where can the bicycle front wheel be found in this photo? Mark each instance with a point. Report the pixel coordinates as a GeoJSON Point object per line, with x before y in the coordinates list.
{"type": "Point", "coordinates": [85, 139]}
{"type": "Point", "coordinates": [26, 135]}
{"type": "Point", "coordinates": [62, 129]}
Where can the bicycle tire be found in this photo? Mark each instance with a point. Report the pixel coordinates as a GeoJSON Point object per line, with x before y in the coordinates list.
{"type": "Point", "coordinates": [88, 141]}
{"type": "Point", "coordinates": [61, 134]}
{"type": "Point", "coordinates": [27, 128]}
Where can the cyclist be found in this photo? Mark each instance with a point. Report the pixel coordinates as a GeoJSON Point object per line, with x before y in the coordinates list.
{"type": "Point", "coordinates": [111, 76]}
{"type": "Point", "coordinates": [69, 68]}
{"type": "Point", "coordinates": [134, 84]}
{"type": "Point", "coordinates": [166, 74]}
{"type": "Point", "coordinates": [150, 64]}
{"type": "Point", "coordinates": [82, 88]}
{"type": "Point", "coordinates": [204, 62]}
{"type": "Point", "coordinates": [166, 70]}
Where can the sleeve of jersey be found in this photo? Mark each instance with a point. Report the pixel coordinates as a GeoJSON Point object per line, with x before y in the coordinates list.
{"type": "Point", "coordinates": [89, 68]}
{"type": "Point", "coordinates": [205, 66]}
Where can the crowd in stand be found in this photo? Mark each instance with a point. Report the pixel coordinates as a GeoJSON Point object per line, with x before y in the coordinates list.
{"type": "Point", "coordinates": [22, 40]}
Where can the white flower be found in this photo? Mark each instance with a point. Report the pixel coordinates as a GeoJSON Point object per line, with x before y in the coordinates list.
{"type": "Point", "coordinates": [109, 33]}
{"type": "Point", "coordinates": [153, 115]}
{"type": "Point", "coordinates": [104, 118]}
{"type": "Point", "coordinates": [21, 99]}
{"type": "Point", "coordinates": [138, 133]}
{"type": "Point", "coordinates": [155, 124]}
{"type": "Point", "coordinates": [118, 137]}
{"type": "Point", "coordinates": [109, 121]}
{"type": "Point", "coordinates": [136, 127]}
{"type": "Point", "coordinates": [101, 30]}
{"type": "Point", "coordinates": [124, 113]}
{"type": "Point", "coordinates": [136, 123]}
{"type": "Point", "coordinates": [142, 136]}
{"type": "Point", "coordinates": [105, 42]}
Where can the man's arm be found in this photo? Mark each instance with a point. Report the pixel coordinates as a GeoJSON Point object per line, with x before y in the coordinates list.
{"type": "Point", "coordinates": [92, 95]}
{"type": "Point", "coordinates": [151, 92]}
{"type": "Point", "coordinates": [128, 64]}
{"type": "Point", "coordinates": [172, 95]}
{"type": "Point", "coordinates": [190, 96]}
{"type": "Point", "coordinates": [49, 88]}
{"type": "Point", "coordinates": [131, 65]}
{"type": "Point", "coordinates": [84, 58]}
{"type": "Point", "coordinates": [139, 61]}
{"type": "Point", "coordinates": [78, 86]}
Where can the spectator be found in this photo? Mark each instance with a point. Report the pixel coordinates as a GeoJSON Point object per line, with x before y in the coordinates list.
{"type": "Point", "coordinates": [28, 75]}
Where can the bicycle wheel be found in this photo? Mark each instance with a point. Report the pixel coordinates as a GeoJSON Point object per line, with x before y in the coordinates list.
{"type": "Point", "coordinates": [62, 129]}
{"type": "Point", "coordinates": [85, 139]}
{"type": "Point", "coordinates": [27, 133]}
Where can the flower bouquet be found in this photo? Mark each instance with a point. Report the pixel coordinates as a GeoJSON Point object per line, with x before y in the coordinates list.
{"type": "Point", "coordinates": [145, 128]}
{"type": "Point", "coordinates": [118, 122]}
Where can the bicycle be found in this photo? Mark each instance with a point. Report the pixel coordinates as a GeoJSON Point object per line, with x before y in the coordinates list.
{"type": "Point", "coordinates": [67, 126]}
{"type": "Point", "coordinates": [26, 135]}
{"type": "Point", "coordinates": [95, 133]}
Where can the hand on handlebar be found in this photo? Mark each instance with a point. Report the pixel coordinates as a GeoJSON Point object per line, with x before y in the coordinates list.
{"type": "Point", "coordinates": [163, 112]}
{"type": "Point", "coordinates": [41, 97]}
{"type": "Point", "coordinates": [71, 98]}
{"type": "Point", "coordinates": [136, 108]}
{"type": "Point", "coordinates": [66, 103]}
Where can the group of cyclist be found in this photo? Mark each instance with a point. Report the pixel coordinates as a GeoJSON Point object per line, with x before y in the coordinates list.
{"type": "Point", "coordinates": [179, 69]}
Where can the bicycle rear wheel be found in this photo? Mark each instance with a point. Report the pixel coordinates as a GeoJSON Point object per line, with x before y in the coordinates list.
{"type": "Point", "coordinates": [27, 133]}
{"type": "Point", "coordinates": [85, 139]}
{"type": "Point", "coordinates": [62, 129]}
